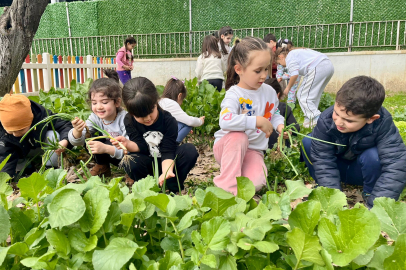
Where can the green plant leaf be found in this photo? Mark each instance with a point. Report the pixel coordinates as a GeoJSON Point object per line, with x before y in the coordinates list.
{"type": "Point", "coordinates": [170, 260]}
{"type": "Point", "coordinates": [357, 231]}
{"type": "Point", "coordinates": [148, 183]}
{"type": "Point", "coordinates": [5, 224]}
{"type": "Point", "coordinates": [332, 200]}
{"type": "Point", "coordinates": [227, 263]}
{"type": "Point", "coordinates": [398, 259]}
{"type": "Point", "coordinates": [392, 215]}
{"type": "Point", "coordinates": [187, 220]}
{"type": "Point", "coordinates": [21, 224]}
{"type": "Point", "coordinates": [266, 247]}
{"type": "Point", "coordinates": [296, 189]}
{"type": "Point", "coordinates": [112, 218]}
{"type": "Point", "coordinates": [5, 188]}
{"type": "Point", "coordinates": [380, 255]}
{"type": "Point", "coordinates": [3, 254]}
{"type": "Point", "coordinates": [55, 177]}
{"type": "Point", "coordinates": [160, 200]}
{"type": "Point", "coordinates": [215, 233]}
{"type": "Point", "coordinates": [3, 163]}
{"type": "Point", "coordinates": [32, 186]}
{"type": "Point", "coordinates": [306, 247]}
{"type": "Point", "coordinates": [115, 255]}
{"type": "Point", "coordinates": [245, 188]}
{"type": "Point", "coordinates": [209, 260]}
{"type": "Point", "coordinates": [79, 242]}
{"type": "Point", "coordinates": [305, 216]}
{"type": "Point", "coordinates": [97, 201]}
{"type": "Point", "coordinates": [217, 205]}
{"type": "Point", "coordinates": [42, 262]}
{"type": "Point", "coordinates": [19, 249]}
{"type": "Point", "coordinates": [66, 208]}
{"type": "Point", "coordinates": [59, 241]}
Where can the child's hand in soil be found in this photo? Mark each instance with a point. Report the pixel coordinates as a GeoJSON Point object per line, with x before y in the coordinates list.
{"type": "Point", "coordinates": [78, 124]}
{"type": "Point", "coordinates": [97, 147]}
{"type": "Point", "coordinates": [162, 178]}
{"type": "Point", "coordinates": [64, 144]}
{"type": "Point", "coordinates": [265, 125]}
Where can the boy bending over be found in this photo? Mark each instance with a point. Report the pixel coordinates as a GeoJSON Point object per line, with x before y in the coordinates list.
{"type": "Point", "coordinates": [17, 115]}
{"type": "Point", "coordinates": [374, 154]}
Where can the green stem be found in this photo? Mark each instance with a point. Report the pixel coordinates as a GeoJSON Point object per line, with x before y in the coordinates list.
{"type": "Point", "coordinates": [179, 240]}
{"type": "Point", "coordinates": [39, 212]}
{"type": "Point", "coordinates": [105, 238]}
{"type": "Point", "coordinates": [275, 187]}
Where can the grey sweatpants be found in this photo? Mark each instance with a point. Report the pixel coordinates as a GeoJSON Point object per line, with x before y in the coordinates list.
{"type": "Point", "coordinates": [312, 88]}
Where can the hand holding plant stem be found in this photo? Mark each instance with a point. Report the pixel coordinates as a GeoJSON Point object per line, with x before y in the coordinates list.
{"type": "Point", "coordinates": [78, 126]}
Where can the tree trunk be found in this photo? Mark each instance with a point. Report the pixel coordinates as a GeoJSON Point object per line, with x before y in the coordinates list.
{"type": "Point", "coordinates": [18, 25]}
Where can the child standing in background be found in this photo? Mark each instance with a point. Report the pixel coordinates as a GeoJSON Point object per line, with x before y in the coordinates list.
{"type": "Point", "coordinates": [249, 114]}
{"type": "Point", "coordinates": [105, 97]}
{"type": "Point", "coordinates": [153, 132]}
{"type": "Point", "coordinates": [270, 41]}
{"type": "Point", "coordinates": [210, 65]}
{"type": "Point", "coordinates": [317, 70]}
{"type": "Point", "coordinates": [125, 59]}
{"type": "Point", "coordinates": [171, 100]}
{"type": "Point", "coordinates": [283, 74]}
{"type": "Point", "coordinates": [225, 36]}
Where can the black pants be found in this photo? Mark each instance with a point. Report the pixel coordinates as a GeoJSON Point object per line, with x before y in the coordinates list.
{"type": "Point", "coordinates": [105, 159]}
{"type": "Point", "coordinates": [186, 156]}
{"type": "Point", "coordinates": [217, 83]}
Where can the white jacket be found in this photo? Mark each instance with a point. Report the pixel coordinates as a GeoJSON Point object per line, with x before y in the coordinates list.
{"type": "Point", "coordinates": [210, 68]}
{"type": "Point", "coordinates": [174, 108]}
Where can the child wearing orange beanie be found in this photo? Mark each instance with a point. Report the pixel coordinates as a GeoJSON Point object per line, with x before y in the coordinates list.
{"type": "Point", "coordinates": [17, 115]}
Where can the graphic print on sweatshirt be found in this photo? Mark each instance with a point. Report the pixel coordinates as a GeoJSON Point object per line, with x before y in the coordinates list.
{"type": "Point", "coordinates": [153, 139]}
{"type": "Point", "coordinates": [246, 106]}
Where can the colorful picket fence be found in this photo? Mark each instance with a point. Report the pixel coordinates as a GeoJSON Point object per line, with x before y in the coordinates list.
{"type": "Point", "coordinates": [46, 71]}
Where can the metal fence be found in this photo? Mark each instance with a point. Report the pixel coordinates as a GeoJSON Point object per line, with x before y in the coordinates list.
{"type": "Point", "coordinates": [374, 35]}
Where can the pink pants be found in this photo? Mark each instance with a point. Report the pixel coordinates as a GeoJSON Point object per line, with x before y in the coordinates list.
{"type": "Point", "coordinates": [235, 160]}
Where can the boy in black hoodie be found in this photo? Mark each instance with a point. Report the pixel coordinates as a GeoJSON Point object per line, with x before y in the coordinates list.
{"type": "Point", "coordinates": [17, 115]}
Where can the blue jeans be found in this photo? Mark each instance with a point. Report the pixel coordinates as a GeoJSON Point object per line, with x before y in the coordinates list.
{"type": "Point", "coordinates": [183, 131]}
{"type": "Point", "coordinates": [362, 171]}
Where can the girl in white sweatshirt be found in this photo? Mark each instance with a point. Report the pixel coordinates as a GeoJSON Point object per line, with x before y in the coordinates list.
{"type": "Point", "coordinates": [171, 100]}
{"type": "Point", "coordinates": [249, 114]}
{"type": "Point", "coordinates": [210, 65]}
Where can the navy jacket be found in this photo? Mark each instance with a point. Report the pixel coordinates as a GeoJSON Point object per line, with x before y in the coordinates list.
{"type": "Point", "coordinates": [11, 145]}
{"type": "Point", "coordinates": [382, 133]}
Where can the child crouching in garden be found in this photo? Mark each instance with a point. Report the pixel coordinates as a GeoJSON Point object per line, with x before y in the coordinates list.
{"type": "Point", "coordinates": [171, 100]}
{"type": "Point", "coordinates": [17, 115]}
{"type": "Point", "coordinates": [372, 154]}
{"type": "Point", "coordinates": [249, 114]}
{"type": "Point", "coordinates": [153, 132]}
{"type": "Point", "coordinates": [105, 98]}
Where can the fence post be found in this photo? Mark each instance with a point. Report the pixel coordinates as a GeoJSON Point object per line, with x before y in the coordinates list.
{"type": "Point", "coordinates": [350, 32]}
{"type": "Point", "coordinates": [47, 72]}
{"type": "Point", "coordinates": [190, 28]}
{"type": "Point", "coordinates": [397, 37]}
{"type": "Point", "coordinates": [89, 61]}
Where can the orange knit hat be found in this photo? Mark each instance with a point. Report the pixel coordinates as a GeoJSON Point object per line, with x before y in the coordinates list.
{"type": "Point", "coordinates": [15, 112]}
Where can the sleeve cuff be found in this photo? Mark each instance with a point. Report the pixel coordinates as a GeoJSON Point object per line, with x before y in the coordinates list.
{"type": "Point", "coordinates": [75, 142]}
{"type": "Point", "coordinates": [118, 153]}
{"type": "Point", "coordinates": [251, 122]}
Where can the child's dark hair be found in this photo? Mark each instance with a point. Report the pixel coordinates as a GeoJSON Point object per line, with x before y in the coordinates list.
{"type": "Point", "coordinates": [240, 55]}
{"type": "Point", "coordinates": [225, 31]}
{"type": "Point", "coordinates": [173, 88]}
{"type": "Point", "coordinates": [210, 47]}
{"type": "Point", "coordinates": [111, 74]}
{"type": "Point", "coordinates": [269, 37]}
{"type": "Point", "coordinates": [130, 40]}
{"type": "Point", "coordinates": [140, 96]}
{"type": "Point", "coordinates": [275, 85]}
{"type": "Point", "coordinates": [361, 95]}
{"type": "Point", "coordinates": [109, 87]}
